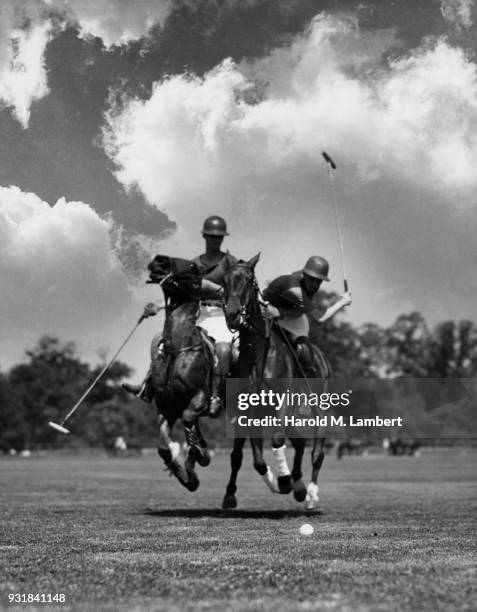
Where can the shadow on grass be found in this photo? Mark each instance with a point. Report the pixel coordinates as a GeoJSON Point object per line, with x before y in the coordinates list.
{"type": "Point", "coordinates": [227, 514]}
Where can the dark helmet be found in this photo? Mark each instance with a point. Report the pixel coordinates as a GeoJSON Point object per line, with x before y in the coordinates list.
{"type": "Point", "coordinates": [317, 267]}
{"type": "Point", "coordinates": [215, 226]}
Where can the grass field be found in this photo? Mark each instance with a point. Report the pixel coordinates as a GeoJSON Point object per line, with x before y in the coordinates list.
{"type": "Point", "coordinates": [119, 534]}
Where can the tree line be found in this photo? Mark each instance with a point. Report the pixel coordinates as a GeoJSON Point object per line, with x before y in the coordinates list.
{"type": "Point", "coordinates": [53, 377]}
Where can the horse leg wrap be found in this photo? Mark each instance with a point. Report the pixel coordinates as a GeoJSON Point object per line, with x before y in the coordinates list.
{"type": "Point", "coordinates": [312, 499]}
{"type": "Point", "coordinates": [281, 461]}
{"type": "Point", "coordinates": [269, 480]}
{"type": "Point", "coordinates": [175, 449]}
{"type": "Point", "coordinates": [312, 492]}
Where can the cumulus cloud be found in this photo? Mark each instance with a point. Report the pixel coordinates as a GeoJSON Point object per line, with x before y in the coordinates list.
{"type": "Point", "coordinates": [58, 273]}
{"type": "Point", "coordinates": [246, 141]}
{"type": "Point", "coordinates": [198, 142]}
{"type": "Point", "coordinates": [416, 118]}
{"type": "Point", "coordinates": [116, 22]}
{"type": "Point", "coordinates": [26, 26]}
{"type": "Point", "coordinates": [458, 12]}
{"type": "Point", "coordinates": [23, 39]}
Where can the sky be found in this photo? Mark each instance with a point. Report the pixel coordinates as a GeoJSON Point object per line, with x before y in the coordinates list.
{"type": "Point", "coordinates": [123, 125]}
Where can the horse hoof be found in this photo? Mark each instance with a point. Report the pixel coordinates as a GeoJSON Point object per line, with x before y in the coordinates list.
{"type": "Point", "coordinates": [192, 484]}
{"type": "Point", "coordinates": [284, 484]}
{"type": "Point", "coordinates": [229, 502]}
{"type": "Point", "coordinates": [299, 490]}
{"type": "Point", "coordinates": [200, 456]}
{"type": "Point", "coordinates": [187, 477]}
{"type": "Point", "coordinates": [310, 505]}
{"type": "Point", "coordinates": [204, 459]}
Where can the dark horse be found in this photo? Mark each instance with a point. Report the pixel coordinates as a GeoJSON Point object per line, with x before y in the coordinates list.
{"type": "Point", "coordinates": [265, 352]}
{"type": "Point", "coordinates": [181, 374]}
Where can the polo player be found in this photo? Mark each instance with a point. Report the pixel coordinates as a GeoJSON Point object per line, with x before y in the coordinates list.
{"type": "Point", "coordinates": [212, 266]}
{"type": "Point", "coordinates": [293, 300]}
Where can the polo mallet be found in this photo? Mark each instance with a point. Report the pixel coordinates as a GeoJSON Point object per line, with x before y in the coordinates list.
{"type": "Point", "coordinates": [61, 427]}
{"type": "Point", "coordinates": [332, 166]}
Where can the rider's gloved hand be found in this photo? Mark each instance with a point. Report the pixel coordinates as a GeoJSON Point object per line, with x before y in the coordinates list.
{"type": "Point", "coordinates": [272, 312]}
{"type": "Point", "coordinates": [151, 309]}
{"type": "Point", "coordinates": [346, 298]}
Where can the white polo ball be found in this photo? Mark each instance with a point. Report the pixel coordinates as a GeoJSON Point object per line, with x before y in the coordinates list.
{"type": "Point", "coordinates": [306, 529]}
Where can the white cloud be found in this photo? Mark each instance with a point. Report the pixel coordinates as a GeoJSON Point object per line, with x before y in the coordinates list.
{"type": "Point", "coordinates": [58, 273]}
{"type": "Point", "coordinates": [22, 68]}
{"type": "Point", "coordinates": [199, 145]}
{"type": "Point", "coordinates": [116, 22]}
{"type": "Point", "coordinates": [458, 12]}
{"type": "Point", "coordinates": [26, 26]}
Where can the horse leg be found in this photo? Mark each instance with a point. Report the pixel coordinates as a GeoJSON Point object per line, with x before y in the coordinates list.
{"type": "Point", "coordinates": [299, 489]}
{"type": "Point", "coordinates": [260, 466]}
{"type": "Point", "coordinates": [198, 451]}
{"type": "Point", "coordinates": [169, 451]}
{"type": "Point", "coordinates": [317, 457]}
{"type": "Point", "coordinates": [283, 471]}
{"type": "Point", "coordinates": [236, 457]}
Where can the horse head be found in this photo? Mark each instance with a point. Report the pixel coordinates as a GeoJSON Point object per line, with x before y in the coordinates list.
{"type": "Point", "coordinates": [179, 278]}
{"type": "Point", "coordinates": [240, 292]}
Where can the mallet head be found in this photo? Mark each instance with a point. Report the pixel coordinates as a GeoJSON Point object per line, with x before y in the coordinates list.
{"type": "Point", "coordinates": [59, 428]}
{"type": "Point", "coordinates": [328, 160]}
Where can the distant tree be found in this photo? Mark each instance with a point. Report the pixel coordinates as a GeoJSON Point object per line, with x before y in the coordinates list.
{"type": "Point", "coordinates": [46, 386]}
{"type": "Point", "coordinates": [14, 429]}
{"type": "Point", "coordinates": [408, 344]}
{"type": "Point", "coordinates": [49, 384]}
{"type": "Point", "coordinates": [454, 350]}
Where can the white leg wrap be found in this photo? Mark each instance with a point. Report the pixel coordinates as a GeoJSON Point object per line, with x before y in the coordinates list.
{"type": "Point", "coordinates": [269, 480]}
{"type": "Point", "coordinates": [281, 461]}
{"type": "Point", "coordinates": [312, 498]}
{"type": "Point", "coordinates": [175, 449]}
{"type": "Point", "coordinates": [312, 491]}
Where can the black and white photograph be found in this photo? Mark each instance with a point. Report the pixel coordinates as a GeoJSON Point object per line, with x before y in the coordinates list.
{"type": "Point", "coordinates": [238, 305]}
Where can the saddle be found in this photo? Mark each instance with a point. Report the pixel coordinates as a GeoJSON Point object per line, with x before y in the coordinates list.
{"type": "Point", "coordinates": [309, 356]}
{"type": "Point", "coordinates": [210, 346]}
{"type": "Point", "coordinates": [158, 351]}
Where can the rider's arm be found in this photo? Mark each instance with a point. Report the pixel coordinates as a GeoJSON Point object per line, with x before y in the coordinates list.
{"type": "Point", "coordinates": [210, 287]}
{"type": "Point", "coordinates": [345, 300]}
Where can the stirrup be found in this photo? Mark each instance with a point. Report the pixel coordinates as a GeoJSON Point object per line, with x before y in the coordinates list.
{"type": "Point", "coordinates": [141, 391]}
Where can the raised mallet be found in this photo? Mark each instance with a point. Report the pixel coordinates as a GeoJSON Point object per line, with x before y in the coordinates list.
{"type": "Point", "coordinates": [332, 166]}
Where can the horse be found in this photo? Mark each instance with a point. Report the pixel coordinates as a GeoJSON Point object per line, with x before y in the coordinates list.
{"type": "Point", "coordinates": [266, 352]}
{"type": "Point", "coordinates": [181, 374]}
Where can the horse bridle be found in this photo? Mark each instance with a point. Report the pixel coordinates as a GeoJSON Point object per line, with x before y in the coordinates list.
{"type": "Point", "coordinates": [244, 309]}
{"type": "Point", "coordinates": [247, 323]}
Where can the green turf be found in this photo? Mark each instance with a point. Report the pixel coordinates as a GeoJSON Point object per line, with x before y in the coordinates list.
{"type": "Point", "coordinates": [119, 534]}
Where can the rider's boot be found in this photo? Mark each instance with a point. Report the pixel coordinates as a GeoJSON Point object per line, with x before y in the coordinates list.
{"type": "Point", "coordinates": [306, 357]}
{"type": "Point", "coordinates": [143, 391]}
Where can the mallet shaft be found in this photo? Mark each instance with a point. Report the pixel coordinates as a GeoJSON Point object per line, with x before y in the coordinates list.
{"type": "Point", "coordinates": [332, 166]}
